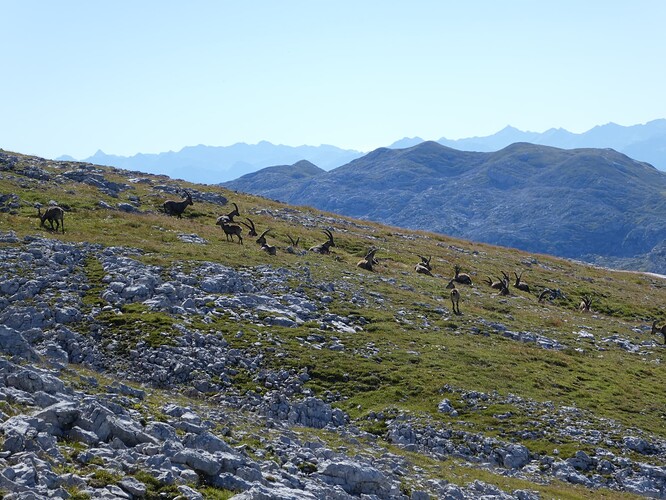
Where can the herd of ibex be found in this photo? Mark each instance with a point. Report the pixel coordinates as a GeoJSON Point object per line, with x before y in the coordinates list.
{"type": "Point", "coordinates": [55, 215]}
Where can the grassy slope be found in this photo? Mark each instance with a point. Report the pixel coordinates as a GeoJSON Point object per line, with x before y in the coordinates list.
{"type": "Point", "coordinates": [421, 347]}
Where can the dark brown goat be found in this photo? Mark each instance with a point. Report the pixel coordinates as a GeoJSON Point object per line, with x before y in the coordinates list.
{"type": "Point", "coordinates": [172, 207]}
{"type": "Point", "coordinates": [324, 248]}
{"type": "Point", "coordinates": [265, 247]}
{"type": "Point", "coordinates": [230, 230]}
{"type": "Point", "coordinates": [252, 230]}
{"type": "Point", "coordinates": [52, 214]}
{"type": "Point", "coordinates": [520, 285]}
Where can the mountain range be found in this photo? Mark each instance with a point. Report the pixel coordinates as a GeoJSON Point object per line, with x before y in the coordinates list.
{"type": "Point", "coordinates": [215, 164]}
{"type": "Point", "coordinates": [596, 205]}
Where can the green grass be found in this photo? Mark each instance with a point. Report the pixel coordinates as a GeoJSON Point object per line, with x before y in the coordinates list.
{"type": "Point", "coordinates": [410, 346]}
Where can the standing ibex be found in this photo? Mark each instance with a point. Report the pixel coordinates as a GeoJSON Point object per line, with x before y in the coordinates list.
{"type": "Point", "coordinates": [234, 213]}
{"type": "Point", "coordinates": [585, 304]}
{"type": "Point", "coordinates": [659, 329]}
{"type": "Point", "coordinates": [177, 207]}
{"type": "Point", "coordinates": [265, 247]}
{"type": "Point", "coordinates": [424, 266]}
{"type": "Point", "coordinates": [455, 296]}
{"type": "Point", "coordinates": [230, 229]}
{"type": "Point", "coordinates": [250, 226]}
{"type": "Point", "coordinates": [324, 248]}
{"type": "Point", "coordinates": [369, 260]}
{"type": "Point", "coordinates": [461, 278]}
{"type": "Point", "coordinates": [52, 214]}
{"type": "Point", "coordinates": [519, 284]}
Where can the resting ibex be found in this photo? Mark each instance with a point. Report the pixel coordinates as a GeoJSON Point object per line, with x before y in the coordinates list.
{"type": "Point", "coordinates": [585, 304]}
{"type": "Point", "coordinates": [551, 294]}
{"type": "Point", "coordinates": [455, 296]}
{"type": "Point", "coordinates": [424, 266]}
{"type": "Point", "coordinates": [659, 329]}
{"type": "Point", "coordinates": [324, 248]}
{"type": "Point", "coordinates": [293, 248]}
{"type": "Point", "coordinates": [177, 207]}
{"type": "Point", "coordinates": [52, 214]}
{"type": "Point", "coordinates": [252, 230]}
{"type": "Point", "coordinates": [519, 284]}
{"type": "Point", "coordinates": [461, 278]}
{"type": "Point", "coordinates": [265, 247]}
{"type": "Point", "coordinates": [497, 285]}
{"type": "Point", "coordinates": [369, 260]}
{"type": "Point", "coordinates": [504, 289]}
{"type": "Point", "coordinates": [230, 229]}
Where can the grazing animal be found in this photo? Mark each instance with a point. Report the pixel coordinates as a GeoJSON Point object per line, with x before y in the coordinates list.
{"type": "Point", "coordinates": [659, 329]}
{"type": "Point", "coordinates": [455, 297]}
{"type": "Point", "coordinates": [585, 304]}
{"type": "Point", "coordinates": [293, 248]}
{"type": "Point", "coordinates": [324, 248]}
{"type": "Point", "coordinates": [497, 285]}
{"type": "Point", "coordinates": [252, 230]}
{"type": "Point", "coordinates": [369, 260]}
{"type": "Point", "coordinates": [230, 230]}
{"type": "Point", "coordinates": [265, 247]}
{"type": "Point", "coordinates": [177, 207]}
{"type": "Point", "coordinates": [424, 266]}
{"type": "Point", "coordinates": [52, 214]}
{"type": "Point", "coordinates": [519, 284]}
{"type": "Point", "coordinates": [461, 278]}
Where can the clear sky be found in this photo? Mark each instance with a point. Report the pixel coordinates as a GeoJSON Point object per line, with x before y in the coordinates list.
{"type": "Point", "coordinates": [130, 76]}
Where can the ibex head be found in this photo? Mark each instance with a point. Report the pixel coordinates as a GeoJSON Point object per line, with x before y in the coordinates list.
{"type": "Point", "coordinates": [262, 239]}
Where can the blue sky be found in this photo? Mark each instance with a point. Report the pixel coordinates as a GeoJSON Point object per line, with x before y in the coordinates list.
{"type": "Point", "coordinates": [152, 76]}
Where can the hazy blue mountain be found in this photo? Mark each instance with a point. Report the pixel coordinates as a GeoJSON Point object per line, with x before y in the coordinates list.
{"type": "Point", "coordinates": [213, 164]}
{"type": "Point", "coordinates": [581, 203]}
{"type": "Point", "coordinates": [645, 142]}
{"type": "Point", "coordinates": [216, 164]}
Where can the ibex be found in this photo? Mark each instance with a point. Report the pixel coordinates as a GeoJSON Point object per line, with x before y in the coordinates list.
{"type": "Point", "coordinates": [551, 294]}
{"type": "Point", "coordinates": [234, 213]}
{"type": "Point", "coordinates": [424, 266]}
{"type": "Point", "coordinates": [455, 296]}
{"type": "Point", "coordinates": [659, 329]}
{"type": "Point", "coordinates": [461, 278]}
{"type": "Point", "coordinates": [230, 229]}
{"type": "Point", "coordinates": [497, 285]}
{"type": "Point", "coordinates": [250, 226]}
{"type": "Point", "coordinates": [293, 248]}
{"type": "Point", "coordinates": [369, 260]}
{"type": "Point", "coordinates": [265, 247]}
{"type": "Point", "coordinates": [504, 289]}
{"type": "Point", "coordinates": [177, 207]}
{"type": "Point", "coordinates": [585, 304]}
{"type": "Point", "coordinates": [52, 214]}
{"type": "Point", "coordinates": [324, 248]}
{"type": "Point", "coordinates": [520, 285]}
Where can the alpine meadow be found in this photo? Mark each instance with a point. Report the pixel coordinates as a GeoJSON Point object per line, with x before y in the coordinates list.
{"type": "Point", "coordinates": [166, 339]}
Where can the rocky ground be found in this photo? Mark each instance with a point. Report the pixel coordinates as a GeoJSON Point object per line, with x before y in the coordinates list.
{"type": "Point", "coordinates": [83, 413]}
